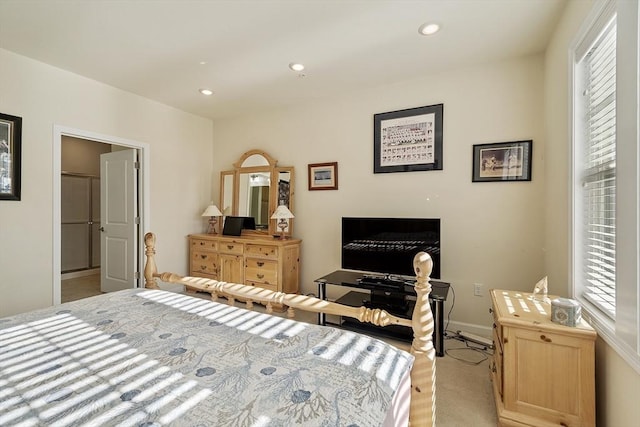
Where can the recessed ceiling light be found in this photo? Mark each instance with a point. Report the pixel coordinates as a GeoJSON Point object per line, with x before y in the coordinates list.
{"type": "Point", "coordinates": [203, 62]}
{"type": "Point", "coordinates": [428, 28]}
{"type": "Point", "coordinates": [296, 67]}
{"type": "Point", "coordinates": [206, 92]}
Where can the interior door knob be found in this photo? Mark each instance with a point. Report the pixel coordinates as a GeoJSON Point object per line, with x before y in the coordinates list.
{"type": "Point", "coordinates": [101, 229]}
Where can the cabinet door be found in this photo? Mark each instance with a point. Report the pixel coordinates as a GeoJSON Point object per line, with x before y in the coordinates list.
{"type": "Point", "coordinates": [549, 376]}
{"type": "Point", "coordinates": [291, 269]}
{"type": "Point", "coordinates": [231, 268]}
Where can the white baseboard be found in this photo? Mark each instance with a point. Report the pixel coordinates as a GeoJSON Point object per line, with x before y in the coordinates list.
{"type": "Point", "coordinates": [483, 331]}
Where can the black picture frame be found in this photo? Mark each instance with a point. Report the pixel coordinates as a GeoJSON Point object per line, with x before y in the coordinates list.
{"type": "Point", "coordinates": [10, 156]}
{"type": "Point", "coordinates": [502, 161]}
{"type": "Point", "coordinates": [408, 140]}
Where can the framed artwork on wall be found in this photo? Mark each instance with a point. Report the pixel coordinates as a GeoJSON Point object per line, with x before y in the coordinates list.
{"type": "Point", "coordinates": [10, 156]}
{"type": "Point", "coordinates": [323, 176]}
{"type": "Point", "coordinates": [503, 161]}
{"type": "Point", "coordinates": [408, 140]}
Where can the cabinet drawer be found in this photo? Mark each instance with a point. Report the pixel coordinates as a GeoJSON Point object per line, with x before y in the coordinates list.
{"type": "Point", "coordinates": [263, 271]}
{"type": "Point", "coordinates": [204, 245]}
{"type": "Point", "coordinates": [497, 333]}
{"type": "Point", "coordinates": [204, 263]}
{"type": "Point", "coordinates": [270, 287]}
{"type": "Point", "coordinates": [262, 251]}
{"type": "Point", "coordinates": [497, 328]}
{"type": "Point", "coordinates": [497, 361]}
{"type": "Point", "coordinates": [231, 248]}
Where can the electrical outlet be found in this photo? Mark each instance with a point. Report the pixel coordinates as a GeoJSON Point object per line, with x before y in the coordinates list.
{"type": "Point", "coordinates": [477, 289]}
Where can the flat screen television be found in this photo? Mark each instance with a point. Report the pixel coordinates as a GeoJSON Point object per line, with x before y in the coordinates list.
{"type": "Point", "coordinates": [388, 245]}
{"type": "Point", "coordinates": [233, 225]}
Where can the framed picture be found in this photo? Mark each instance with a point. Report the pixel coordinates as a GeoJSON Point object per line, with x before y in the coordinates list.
{"type": "Point", "coordinates": [503, 161]}
{"type": "Point", "coordinates": [10, 156]}
{"type": "Point", "coordinates": [408, 140]}
{"type": "Point", "coordinates": [323, 176]}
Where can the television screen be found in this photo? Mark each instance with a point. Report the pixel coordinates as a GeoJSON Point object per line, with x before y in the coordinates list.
{"type": "Point", "coordinates": [388, 245]}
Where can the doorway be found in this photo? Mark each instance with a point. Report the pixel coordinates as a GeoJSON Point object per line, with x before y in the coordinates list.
{"type": "Point", "coordinates": [142, 201]}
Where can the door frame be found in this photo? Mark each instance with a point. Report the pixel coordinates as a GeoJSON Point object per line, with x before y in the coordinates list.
{"type": "Point", "coordinates": [143, 195]}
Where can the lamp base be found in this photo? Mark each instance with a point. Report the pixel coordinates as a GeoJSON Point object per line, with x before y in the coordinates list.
{"type": "Point", "coordinates": [282, 224]}
{"type": "Point", "coordinates": [212, 226]}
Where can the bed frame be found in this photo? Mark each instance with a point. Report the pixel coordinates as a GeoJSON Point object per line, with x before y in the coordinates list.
{"type": "Point", "coordinates": [423, 384]}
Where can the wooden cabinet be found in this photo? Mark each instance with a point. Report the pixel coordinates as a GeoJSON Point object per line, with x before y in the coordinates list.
{"type": "Point", "coordinates": [543, 373]}
{"type": "Point", "coordinates": [252, 260]}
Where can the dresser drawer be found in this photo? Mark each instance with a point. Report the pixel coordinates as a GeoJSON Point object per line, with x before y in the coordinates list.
{"type": "Point", "coordinates": [497, 332]}
{"type": "Point", "coordinates": [266, 286]}
{"type": "Point", "coordinates": [231, 248]}
{"type": "Point", "coordinates": [497, 361]}
{"type": "Point", "coordinates": [204, 245]}
{"type": "Point", "coordinates": [262, 251]}
{"type": "Point", "coordinates": [263, 271]}
{"type": "Point", "coordinates": [204, 263]}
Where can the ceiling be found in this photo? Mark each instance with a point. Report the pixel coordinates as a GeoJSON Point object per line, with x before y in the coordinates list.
{"type": "Point", "coordinates": [167, 50]}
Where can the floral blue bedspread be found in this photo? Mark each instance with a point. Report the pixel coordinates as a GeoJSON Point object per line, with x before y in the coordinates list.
{"type": "Point", "coordinates": [149, 358]}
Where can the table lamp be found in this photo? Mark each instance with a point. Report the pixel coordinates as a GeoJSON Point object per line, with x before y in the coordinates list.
{"type": "Point", "coordinates": [213, 213]}
{"type": "Point", "coordinates": [282, 214]}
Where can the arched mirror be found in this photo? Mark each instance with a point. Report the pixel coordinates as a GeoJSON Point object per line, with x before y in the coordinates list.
{"type": "Point", "coordinates": [255, 188]}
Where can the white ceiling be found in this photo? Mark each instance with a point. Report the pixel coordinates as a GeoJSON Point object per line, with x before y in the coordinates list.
{"type": "Point", "coordinates": [154, 48]}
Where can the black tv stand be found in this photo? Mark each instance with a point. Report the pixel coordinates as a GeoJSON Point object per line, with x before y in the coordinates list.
{"type": "Point", "coordinates": [394, 297]}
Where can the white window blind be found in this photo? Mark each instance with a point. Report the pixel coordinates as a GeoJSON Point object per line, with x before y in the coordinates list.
{"type": "Point", "coordinates": [599, 171]}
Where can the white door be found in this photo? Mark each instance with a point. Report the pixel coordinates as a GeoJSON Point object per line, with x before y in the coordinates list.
{"type": "Point", "coordinates": [118, 213]}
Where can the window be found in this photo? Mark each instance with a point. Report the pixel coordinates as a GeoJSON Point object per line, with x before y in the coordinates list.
{"type": "Point", "coordinates": [606, 171]}
{"type": "Point", "coordinates": [597, 175]}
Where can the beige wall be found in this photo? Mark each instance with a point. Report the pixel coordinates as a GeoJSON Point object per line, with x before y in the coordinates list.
{"type": "Point", "coordinates": [44, 96]}
{"type": "Point", "coordinates": [491, 232]}
{"type": "Point", "coordinates": [617, 383]}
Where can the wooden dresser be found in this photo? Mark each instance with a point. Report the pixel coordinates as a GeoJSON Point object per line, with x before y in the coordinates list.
{"type": "Point", "coordinates": [254, 260]}
{"type": "Point", "coordinates": [543, 373]}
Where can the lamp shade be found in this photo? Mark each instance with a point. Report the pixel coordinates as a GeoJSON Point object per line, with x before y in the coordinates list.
{"type": "Point", "coordinates": [212, 210]}
{"type": "Point", "coordinates": [282, 212]}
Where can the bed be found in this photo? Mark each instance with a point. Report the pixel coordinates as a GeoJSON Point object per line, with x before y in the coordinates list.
{"type": "Point", "coordinates": [149, 357]}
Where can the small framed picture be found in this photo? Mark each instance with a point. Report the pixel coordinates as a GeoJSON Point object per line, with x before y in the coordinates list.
{"type": "Point", "coordinates": [323, 176]}
{"type": "Point", "coordinates": [503, 161]}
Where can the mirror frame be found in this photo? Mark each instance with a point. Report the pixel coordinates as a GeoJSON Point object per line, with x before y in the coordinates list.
{"type": "Point", "coordinates": [274, 173]}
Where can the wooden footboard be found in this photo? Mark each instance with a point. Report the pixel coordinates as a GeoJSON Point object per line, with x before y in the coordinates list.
{"type": "Point", "coordinates": [422, 409]}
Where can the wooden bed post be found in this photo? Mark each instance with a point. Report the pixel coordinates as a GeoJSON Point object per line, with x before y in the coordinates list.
{"type": "Point", "coordinates": [150, 268]}
{"type": "Point", "coordinates": [423, 374]}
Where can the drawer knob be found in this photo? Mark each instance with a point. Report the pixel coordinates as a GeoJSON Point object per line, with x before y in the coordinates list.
{"type": "Point", "coordinates": [203, 256]}
{"type": "Point", "coordinates": [260, 276]}
{"type": "Point", "coordinates": [544, 338]}
{"type": "Point", "coordinates": [260, 263]}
